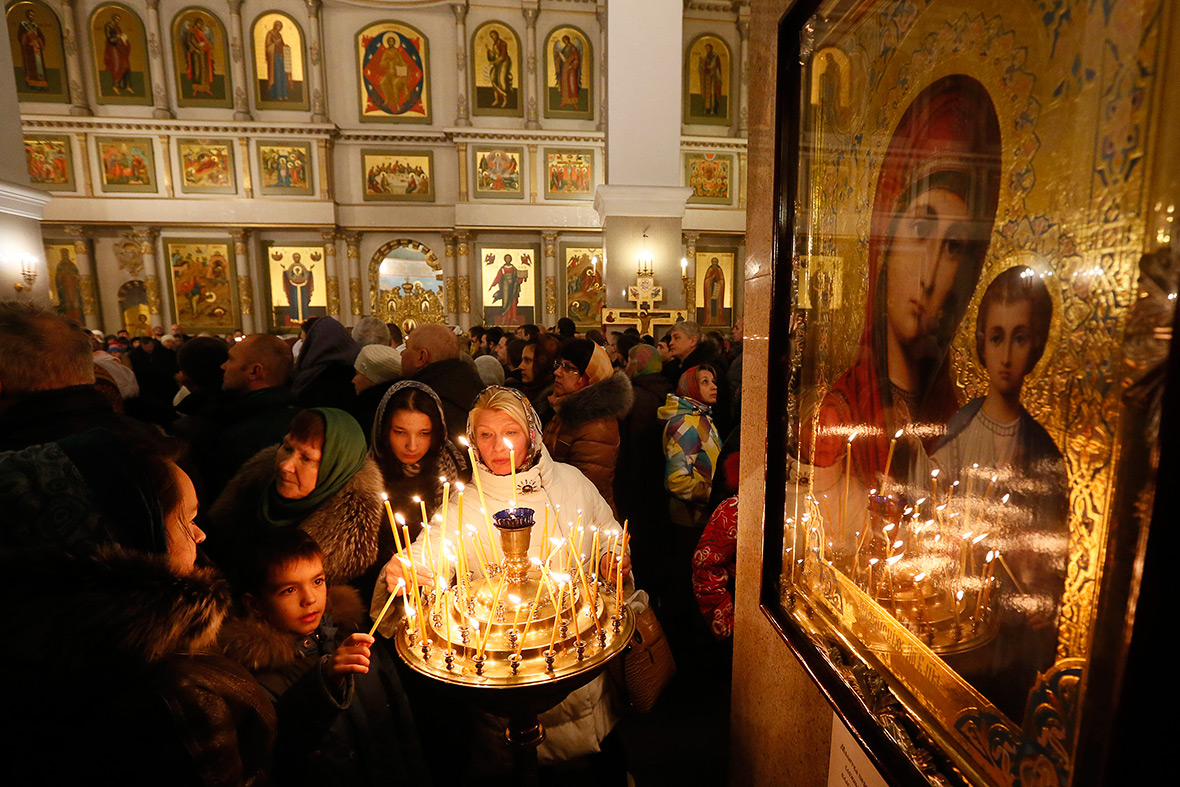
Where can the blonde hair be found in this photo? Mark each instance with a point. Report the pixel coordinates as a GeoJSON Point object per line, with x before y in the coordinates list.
{"type": "Point", "coordinates": [498, 398]}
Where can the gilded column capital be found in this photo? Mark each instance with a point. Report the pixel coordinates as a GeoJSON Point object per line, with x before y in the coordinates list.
{"type": "Point", "coordinates": [549, 244]}
{"type": "Point", "coordinates": [240, 236]}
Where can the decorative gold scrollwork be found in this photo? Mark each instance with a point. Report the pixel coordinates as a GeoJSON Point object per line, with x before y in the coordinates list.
{"type": "Point", "coordinates": [410, 305]}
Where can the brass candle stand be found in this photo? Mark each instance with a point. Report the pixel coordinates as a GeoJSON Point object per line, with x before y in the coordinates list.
{"type": "Point", "coordinates": [517, 641]}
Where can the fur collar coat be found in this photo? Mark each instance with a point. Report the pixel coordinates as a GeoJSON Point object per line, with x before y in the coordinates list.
{"type": "Point", "coordinates": [347, 526]}
{"type": "Point", "coordinates": [117, 679]}
{"type": "Point", "coordinates": [585, 430]}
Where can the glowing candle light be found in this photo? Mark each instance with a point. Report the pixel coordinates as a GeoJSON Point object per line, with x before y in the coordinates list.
{"type": "Point", "coordinates": [556, 602]}
{"type": "Point", "coordinates": [619, 585]}
{"type": "Point", "coordinates": [990, 484]}
{"type": "Point", "coordinates": [934, 486]}
{"type": "Point", "coordinates": [847, 480]}
{"type": "Point", "coordinates": [515, 599]}
{"type": "Point", "coordinates": [889, 456]}
{"type": "Point", "coordinates": [401, 523]}
{"type": "Point", "coordinates": [461, 487]}
{"type": "Point", "coordinates": [483, 506]}
{"type": "Point", "coordinates": [446, 610]}
{"type": "Point", "coordinates": [392, 521]}
{"type": "Point", "coordinates": [981, 602]}
{"type": "Point", "coordinates": [545, 535]}
{"type": "Point", "coordinates": [422, 506]}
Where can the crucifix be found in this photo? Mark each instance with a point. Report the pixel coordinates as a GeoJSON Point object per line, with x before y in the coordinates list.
{"type": "Point", "coordinates": [645, 294]}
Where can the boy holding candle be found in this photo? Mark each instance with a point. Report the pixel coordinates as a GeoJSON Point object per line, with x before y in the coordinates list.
{"type": "Point", "coordinates": [342, 713]}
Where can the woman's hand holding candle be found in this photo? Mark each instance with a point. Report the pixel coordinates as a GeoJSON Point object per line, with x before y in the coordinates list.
{"type": "Point", "coordinates": [608, 567]}
{"type": "Point", "coordinates": [398, 569]}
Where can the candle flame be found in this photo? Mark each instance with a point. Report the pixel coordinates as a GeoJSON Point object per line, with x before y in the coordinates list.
{"type": "Point", "coordinates": [401, 583]}
{"type": "Point", "coordinates": [416, 499]}
{"type": "Point", "coordinates": [384, 496]}
{"type": "Point", "coordinates": [514, 599]}
{"type": "Point", "coordinates": [508, 444]}
{"type": "Point", "coordinates": [460, 486]}
{"type": "Point", "coordinates": [873, 561]}
{"type": "Point", "coordinates": [536, 561]}
{"type": "Point", "coordinates": [990, 555]}
{"type": "Point", "coordinates": [934, 473]}
{"type": "Point", "coordinates": [1004, 499]}
{"type": "Point", "coordinates": [469, 528]}
{"type": "Point", "coordinates": [892, 560]}
{"type": "Point", "coordinates": [443, 480]}
{"type": "Point", "coordinates": [851, 437]}
{"type": "Point", "coordinates": [401, 520]}
{"type": "Point", "coordinates": [889, 527]}
{"type": "Point", "coordinates": [919, 577]}
{"type": "Point", "coordinates": [979, 538]}
{"type": "Point", "coordinates": [898, 544]}
{"type": "Point", "coordinates": [463, 440]}
{"type": "Point", "coordinates": [959, 596]}
{"type": "Point", "coordinates": [919, 501]}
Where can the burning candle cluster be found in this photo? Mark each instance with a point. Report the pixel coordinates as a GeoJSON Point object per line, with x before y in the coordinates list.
{"type": "Point", "coordinates": [929, 556]}
{"type": "Point", "coordinates": [519, 618]}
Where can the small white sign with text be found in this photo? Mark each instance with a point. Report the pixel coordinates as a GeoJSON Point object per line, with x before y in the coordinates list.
{"type": "Point", "coordinates": [849, 765]}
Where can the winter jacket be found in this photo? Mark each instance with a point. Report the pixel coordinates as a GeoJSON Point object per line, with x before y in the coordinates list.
{"type": "Point", "coordinates": [583, 719]}
{"type": "Point", "coordinates": [585, 430]}
{"type": "Point", "coordinates": [713, 566]}
{"type": "Point", "coordinates": [346, 527]}
{"type": "Point", "coordinates": [457, 383]}
{"type": "Point", "coordinates": [45, 416]}
{"type": "Point", "coordinates": [365, 734]}
{"type": "Point", "coordinates": [691, 448]}
{"type": "Point", "coordinates": [116, 679]}
{"type": "Point", "coordinates": [639, 474]}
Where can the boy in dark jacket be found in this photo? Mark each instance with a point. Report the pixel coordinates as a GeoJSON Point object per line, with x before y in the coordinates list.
{"type": "Point", "coordinates": [343, 716]}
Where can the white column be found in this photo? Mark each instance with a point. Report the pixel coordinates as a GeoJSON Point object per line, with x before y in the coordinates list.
{"type": "Point", "coordinates": [78, 90]}
{"type": "Point", "coordinates": [549, 270]}
{"type": "Point", "coordinates": [315, 53]}
{"type": "Point", "coordinates": [450, 281]}
{"type": "Point", "coordinates": [470, 312]}
{"type": "Point", "coordinates": [462, 117]}
{"type": "Point", "coordinates": [161, 84]}
{"type": "Point", "coordinates": [356, 296]}
{"type": "Point", "coordinates": [90, 311]}
{"type": "Point", "coordinates": [332, 272]}
{"type": "Point", "coordinates": [237, 61]}
{"type": "Point", "coordinates": [245, 283]}
{"type": "Point", "coordinates": [529, 77]}
{"type": "Point", "coordinates": [156, 273]}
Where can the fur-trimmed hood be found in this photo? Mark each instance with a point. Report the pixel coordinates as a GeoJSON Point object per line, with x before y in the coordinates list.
{"type": "Point", "coordinates": [610, 398]}
{"type": "Point", "coordinates": [260, 647]}
{"type": "Point", "coordinates": [111, 610]}
{"type": "Point", "coordinates": [346, 526]}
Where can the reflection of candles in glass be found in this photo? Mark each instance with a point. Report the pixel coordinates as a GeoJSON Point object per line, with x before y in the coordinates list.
{"type": "Point", "coordinates": [889, 456]}
{"type": "Point", "coordinates": [990, 484]}
{"type": "Point", "coordinates": [847, 481]}
{"type": "Point", "coordinates": [985, 591]}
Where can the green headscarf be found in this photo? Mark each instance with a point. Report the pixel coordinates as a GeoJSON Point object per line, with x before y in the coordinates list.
{"type": "Point", "coordinates": [343, 456]}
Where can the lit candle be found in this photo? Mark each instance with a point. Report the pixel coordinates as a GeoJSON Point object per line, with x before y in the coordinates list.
{"type": "Point", "coordinates": [574, 612]}
{"type": "Point", "coordinates": [683, 268]}
{"type": "Point", "coordinates": [847, 481]}
{"type": "Point", "coordinates": [460, 486]}
{"type": "Point", "coordinates": [401, 522]}
{"type": "Point", "coordinates": [446, 610]}
{"type": "Point", "coordinates": [482, 502]}
{"type": "Point", "coordinates": [556, 610]}
{"type": "Point", "coordinates": [442, 540]}
{"type": "Point", "coordinates": [392, 523]}
{"type": "Point", "coordinates": [545, 535]}
{"type": "Point", "coordinates": [384, 609]}
{"type": "Point", "coordinates": [556, 544]}
{"type": "Point", "coordinates": [889, 456]}
{"type": "Point", "coordinates": [934, 487]}
{"type": "Point", "coordinates": [512, 461]}
{"type": "Point", "coordinates": [429, 549]}
{"type": "Point", "coordinates": [446, 495]}
{"type": "Point", "coordinates": [619, 585]}
{"type": "Point", "coordinates": [594, 549]}
{"type": "Point", "coordinates": [592, 606]}
{"type": "Point", "coordinates": [515, 599]}
{"type": "Point", "coordinates": [985, 590]}
{"type": "Point", "coordinates": [541, 583]}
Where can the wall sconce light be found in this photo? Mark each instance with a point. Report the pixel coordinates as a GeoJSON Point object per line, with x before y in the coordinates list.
{"type": "Point", "coordinates": [28, 271]}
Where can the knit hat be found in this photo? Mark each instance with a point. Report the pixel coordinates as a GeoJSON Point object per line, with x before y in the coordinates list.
{"type": "Point", "coordinates": [379, 363]}
{"type": "Point", "coordinates": [589, 357]}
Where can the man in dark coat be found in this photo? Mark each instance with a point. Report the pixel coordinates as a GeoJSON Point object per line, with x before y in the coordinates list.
{"type": "Point", "coordinates": [46, 379]}
{"type": "Point", "coordinates": [432, 357]}
{"type": "Point", "coordinates": [254, 410]}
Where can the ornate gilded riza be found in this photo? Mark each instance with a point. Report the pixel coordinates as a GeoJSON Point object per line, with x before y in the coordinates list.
{"type": "Point", "coordinates": [1073, 90]}
{"type": "Point", "coordinates": [334, 296]}
{"type": "Point", "coordinates": [550, 294]}
{"type": "Point", "coordinates": [450, 293]}
{"type": "Point", "coordinates": [464, 295]}
{"type": "Point", "coordinates": [245, 294]}
{"type": "Point", "coordinates": [152, 285]}
{"type": "Point", "coordinates": [354, 297]}
{"type": "Point", "coordinates": [409, 306]}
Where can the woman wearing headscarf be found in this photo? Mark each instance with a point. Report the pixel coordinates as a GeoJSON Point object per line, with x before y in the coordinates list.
{"type": "Point", "coordinates": [933, 212]}
{"type": "Point", "coordinates": [639, 474]}
{"type": "Point", "coordinates": [538, 359]}
{"type": "Point", "coordinates": [325, 367]}
{"type": "Point", "coordinates": [319, 478]}
{"type": "Point", "coordinates": [578, 726]}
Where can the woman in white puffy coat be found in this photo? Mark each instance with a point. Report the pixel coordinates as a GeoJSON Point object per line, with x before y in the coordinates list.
{"type": "Point", "coordinates": [578, 725]}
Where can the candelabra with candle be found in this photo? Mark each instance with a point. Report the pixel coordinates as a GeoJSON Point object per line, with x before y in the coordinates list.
{"type": "Point", "coordinates": [519, 639]}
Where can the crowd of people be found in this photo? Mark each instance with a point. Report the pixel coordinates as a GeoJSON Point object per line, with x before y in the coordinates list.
{"type": "Point", "coordinates": [197, 530]}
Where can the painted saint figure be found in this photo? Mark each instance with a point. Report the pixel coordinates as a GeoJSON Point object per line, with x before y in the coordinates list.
{"type": "Point", "coordinates": [994, 436]}
{"type": "Point", "coordinates": [198, 56]}
{"type": "Point", "coordinates": [567, 58]}
{"type": "Point", "coordinates": [278, 56]}
{"type": "Point", "coordinates": [499, 69]}
{"type": "Point", "coordinates": [298, 284]}
{"type": "Point", "coordinates": [68, 286]}
{"type": "Point", "coordinates": [116, 57]}
{"type": "Point", "coordinates": [714, 294]}
{"type": "Point", "coordinates": [32, 50]}
{"type": "Point", "coordinates": [710, 74]}
{"type": "Point", "coordinates": [507, 284]}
